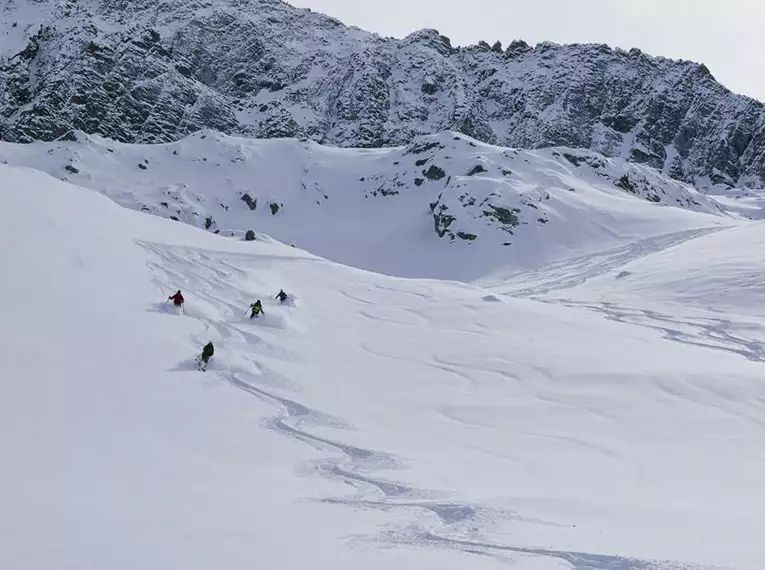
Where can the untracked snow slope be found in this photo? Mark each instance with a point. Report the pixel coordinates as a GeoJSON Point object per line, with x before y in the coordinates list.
{"type": "Point", "coordinates": [445, 206]}
{"type": "Point", "coordinates": [375, 422]}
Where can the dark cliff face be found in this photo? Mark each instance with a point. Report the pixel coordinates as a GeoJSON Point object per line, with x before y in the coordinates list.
{"type": "Point", "coordinates": [143, 71]}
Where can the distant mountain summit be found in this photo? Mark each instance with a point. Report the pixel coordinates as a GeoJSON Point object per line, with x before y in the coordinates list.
{"type": "Point", "coordinates": [148, 71]}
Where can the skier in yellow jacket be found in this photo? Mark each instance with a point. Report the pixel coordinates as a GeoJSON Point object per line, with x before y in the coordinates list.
{"type": "Point", "coordinates": [256, 309]}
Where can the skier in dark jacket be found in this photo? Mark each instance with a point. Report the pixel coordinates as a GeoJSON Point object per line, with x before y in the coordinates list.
{"type": "Point", "coordinates": [282, 296]}
{"type": "Point", "coordinates": [257, 309]}
{"type": "Point", "coordinates": [206, 355]}
{"type": "Point", "coordinates": [177, 299]}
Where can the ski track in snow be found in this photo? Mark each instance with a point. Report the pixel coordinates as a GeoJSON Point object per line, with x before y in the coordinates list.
{"type": "Point", "coordinates": [712, 333]}
{"type": "Point", "coordinates": [569, 273]}
{"type": "Point", "coordinates": [457, 525]}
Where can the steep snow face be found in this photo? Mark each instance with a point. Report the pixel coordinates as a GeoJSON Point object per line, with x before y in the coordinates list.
{"type": "Point", "coordinates": [375, 422]}
{"type": "Point", "coordinates": [156, 71]}
{"type": "Point", "coordinates": [444, 206]}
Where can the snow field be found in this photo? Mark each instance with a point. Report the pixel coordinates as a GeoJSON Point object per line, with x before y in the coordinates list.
{"type": "Point", "coordinates": [402, 413]}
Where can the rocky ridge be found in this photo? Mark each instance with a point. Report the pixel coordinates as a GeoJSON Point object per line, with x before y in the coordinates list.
{"type": "Point", "coordinates": [149, 72]}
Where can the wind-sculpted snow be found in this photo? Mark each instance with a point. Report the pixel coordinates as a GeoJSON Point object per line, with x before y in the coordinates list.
{"type": "Point", "coordinates": [456, 525]}
{"type": "Point", "coordinates": [156, 71]}
{"type": "Point", "coordinates": [375, 422]}
{"type": "Point", "coordinates": [443, 206]}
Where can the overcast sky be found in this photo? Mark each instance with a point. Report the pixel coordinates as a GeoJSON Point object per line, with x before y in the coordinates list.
{"type": "Point", "coordinates": [726, 35]}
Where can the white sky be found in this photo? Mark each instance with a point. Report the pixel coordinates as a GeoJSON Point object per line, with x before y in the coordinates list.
{"type": "Point", "coordinates": [726, 35]}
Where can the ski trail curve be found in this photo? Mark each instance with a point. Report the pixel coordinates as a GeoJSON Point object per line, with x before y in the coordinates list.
{"type": "Point", "coordinates": [571, 272]}
{"type": "Point", "coordinates": [439, 522]}
{"type": "Point", "coordinates": [707, 332]}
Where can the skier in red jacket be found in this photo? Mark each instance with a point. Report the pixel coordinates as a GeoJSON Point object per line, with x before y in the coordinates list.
{"type": "Point", "coordinates": [177, 299]}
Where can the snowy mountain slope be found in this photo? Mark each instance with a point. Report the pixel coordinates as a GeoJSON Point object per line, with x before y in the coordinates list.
{"type": "Point", "coordinates": [380, 421]}
{"type": "Point", "coordinates": [118, 454]}
{"type": "Point", "coordinates": [716, 261]}
{"type": "Point", "coordinates": [654, 272]}
{"type": "Point", "coordinates": [156, 71]}
{"type": "Point", "coordinates": [746, 202]}
{"type": "Point", "coordinates": [444, 206]}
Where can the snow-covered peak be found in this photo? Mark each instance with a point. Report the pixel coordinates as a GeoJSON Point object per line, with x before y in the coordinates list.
{"type": "Point", "coordinates": [430, 38]}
